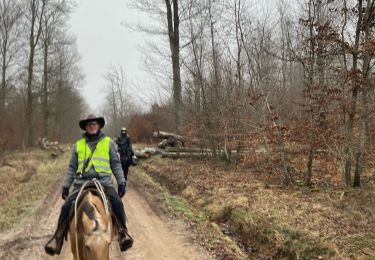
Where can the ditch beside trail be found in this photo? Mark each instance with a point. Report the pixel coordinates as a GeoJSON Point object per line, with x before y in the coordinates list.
{"type": "Point", "coordinates": [155, 238]}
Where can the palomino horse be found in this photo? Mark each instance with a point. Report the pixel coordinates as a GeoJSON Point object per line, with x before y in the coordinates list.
{"type": "Point", "coordinates": [91, 229]}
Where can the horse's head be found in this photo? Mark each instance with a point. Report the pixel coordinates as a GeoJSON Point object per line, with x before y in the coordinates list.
{"type": "Point", "coordinates": [97, 238]}
{"type": "Point", "coordinates": [94, 231]}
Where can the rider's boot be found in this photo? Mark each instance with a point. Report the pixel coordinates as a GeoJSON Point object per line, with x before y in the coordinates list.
{"type": "Point", "coordinates": [124, 239]}
{"type": "Point", "coordinates": [54, 245]}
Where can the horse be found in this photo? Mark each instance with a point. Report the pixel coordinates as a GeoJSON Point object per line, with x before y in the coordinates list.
{"type": "Point", "coordinates": [91, 229]}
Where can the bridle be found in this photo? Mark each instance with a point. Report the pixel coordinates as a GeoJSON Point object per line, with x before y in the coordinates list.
{"type": "Point", "coordinates": [100, 189]}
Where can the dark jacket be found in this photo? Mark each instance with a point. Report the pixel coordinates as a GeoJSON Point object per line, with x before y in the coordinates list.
{"type": "Point", "coordinates": [104, 178]}
{"type": "Point", "coordinates": [124, 148]}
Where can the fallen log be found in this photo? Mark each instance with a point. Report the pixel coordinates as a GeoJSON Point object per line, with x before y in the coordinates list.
{"type": "Point", "coordinates": [146, 152]}
{"type": "Point", "coordinates": [184, 155]}
{"type": "Point", "coordinates": [234, 156]}
{"type": "Point", "coordinates": [175, 140]}
{"type": "Point", "coordinates": [166, 135]}
{"type": "Point", "coordinates": [186, 149]}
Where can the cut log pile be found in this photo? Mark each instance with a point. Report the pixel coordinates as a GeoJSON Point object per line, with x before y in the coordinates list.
{"type": "Point", "coordinates": [169, 139]}
{"type": "Point", "coordinates": [176, 146]}
{"type": "Point", "coordinates": [54, 147]}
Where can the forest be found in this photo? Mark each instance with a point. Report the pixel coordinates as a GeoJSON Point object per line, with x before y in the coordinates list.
{"type": "Point", "coordinates": [275, 100]}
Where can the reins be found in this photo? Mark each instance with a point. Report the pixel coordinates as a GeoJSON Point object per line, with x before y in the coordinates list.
{"type": "Point", "coordinates": [100, 189]}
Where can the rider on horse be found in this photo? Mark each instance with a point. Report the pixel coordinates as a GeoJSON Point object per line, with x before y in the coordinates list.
{"type": "Point", "coordinates": [94, 156]}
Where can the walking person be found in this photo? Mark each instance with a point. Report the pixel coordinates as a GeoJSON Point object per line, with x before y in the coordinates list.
{"type": "Point", "coordinates": [125, 149]}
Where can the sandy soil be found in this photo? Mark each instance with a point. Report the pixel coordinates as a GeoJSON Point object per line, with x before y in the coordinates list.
{"type": "Point", "coordinates": [155, 238]}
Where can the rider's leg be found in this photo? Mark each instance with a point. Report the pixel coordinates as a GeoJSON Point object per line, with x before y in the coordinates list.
{"type": "Point", "coordinates": [54, 245]}
{"type": "Point", "coordinates": [125, 169]}
{"type": "Point", "coordinates": [118, 209]}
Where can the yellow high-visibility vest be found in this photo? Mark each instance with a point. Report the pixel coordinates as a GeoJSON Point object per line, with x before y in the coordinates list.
{"type": "Point", "coordinates": [100, 158]}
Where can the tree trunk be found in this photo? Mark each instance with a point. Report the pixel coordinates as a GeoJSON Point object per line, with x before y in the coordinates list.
{"type": "Point", "coordinates": [348, 150]}
{"type": "Point", "coordinates": [214, 55]}
{"type": "Point", "coordinates": [3, 81]}
{"type": "Point", "coordinates": [238, 42]}
{"type": "Point", "coordinates": [33, 40]}
{"type": "Point", "coordinates": [287, 177]}
{"type": "Point", "coordinates": [309, 167]}
{"type": "Point", "coordinates": [174, 43]}
{"type": "Point", "coordinates": [360, 160]}
{"type": "Point", "coordinates": [283, 51]}
{"type": "Point", "coordinates": [114, 106]}
{"type": "Point", "coordinates": [45, 89]}
{"type": "Point", "coordinates": [201, 92]}
{"type": "Point", "coordinates": [310, 86]}
{"type": "Point", "coordinates": [29, 97]}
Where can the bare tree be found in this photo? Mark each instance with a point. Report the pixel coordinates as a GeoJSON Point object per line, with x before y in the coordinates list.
{"type": "Point", "coordinates": [67, 105]}
{"type": "Point", "coordinates": [52, 22]}
{"type": "Point", "coordinates": [10, 33]}
{"type": "Point", "coordinates": [119, 106]}
{"type": "Point", "coordinates": [367, 56]}
{"type": "Point", "coordinates": [173, 20]}
{"type": "Point", "coordinates": [34, 11]}
{"type": "Point", "coordinates": [169, 14]}
{"type": "Point", "coordinates": [41, 80]}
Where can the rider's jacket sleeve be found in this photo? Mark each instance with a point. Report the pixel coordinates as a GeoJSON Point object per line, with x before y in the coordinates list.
{"type": "Point", "coordinates": [116, 164]}
{"type": "Point", "coordinates": [73, 164]}
{"type": "Point", "coordinates": [130, 145]}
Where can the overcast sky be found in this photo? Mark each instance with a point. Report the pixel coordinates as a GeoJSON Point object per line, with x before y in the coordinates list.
{"type": "Point", "coordinates": [103, 42]}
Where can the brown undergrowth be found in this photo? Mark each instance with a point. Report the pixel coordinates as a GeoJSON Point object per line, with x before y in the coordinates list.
{"type": "Point", "coordinates": [27, 178]}
{"type": "Point", "coordinates": [206, 233]}
{"type": "Point", "coordinates": [269, 220]}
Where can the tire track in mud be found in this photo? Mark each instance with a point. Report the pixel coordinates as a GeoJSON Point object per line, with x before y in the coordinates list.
{"type": "Point", "coordinates": [154, 237]}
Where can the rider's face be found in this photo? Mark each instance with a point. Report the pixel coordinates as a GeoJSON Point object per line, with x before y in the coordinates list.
{"type": "Point", "coordinates": [92, 127]}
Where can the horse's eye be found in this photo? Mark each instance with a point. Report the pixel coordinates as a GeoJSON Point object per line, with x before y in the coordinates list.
{"type": "Point", "coordinates": [87, 248]}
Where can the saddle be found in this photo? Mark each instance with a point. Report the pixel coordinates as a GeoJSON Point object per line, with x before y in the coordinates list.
{"type": "Point", "coordinates": [90, 187]}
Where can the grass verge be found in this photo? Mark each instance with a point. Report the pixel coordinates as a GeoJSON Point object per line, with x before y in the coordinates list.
{"type": "Point", "coordinates": [28, 178]}
{"type": "Point", "coordinates": [206, 232]}
{"type": "Point", "coordinates": [269, 220]}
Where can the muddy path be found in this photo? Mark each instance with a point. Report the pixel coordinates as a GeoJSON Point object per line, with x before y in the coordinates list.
{"type": "Point", "coordinates": [155, 238]}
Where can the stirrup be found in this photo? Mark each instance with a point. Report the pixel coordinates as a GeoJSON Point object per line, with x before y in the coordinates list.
{"type": "Point", "coordinates": [125, 240]}
{"type": "Point", "coordinates": [50, 250]}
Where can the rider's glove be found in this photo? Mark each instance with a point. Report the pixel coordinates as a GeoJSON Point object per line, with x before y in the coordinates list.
{"type": "Point", "coordinates": [121, 190]}
{"type": "Point", "coordinates": [65, 193]}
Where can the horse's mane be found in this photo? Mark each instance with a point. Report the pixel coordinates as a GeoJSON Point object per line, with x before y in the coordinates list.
{"type": "Point", "coordinates": [89, 207]}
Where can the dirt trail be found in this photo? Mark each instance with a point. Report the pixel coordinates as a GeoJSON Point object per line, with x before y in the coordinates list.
{"type": "Point", "coordinates": [154, 238]}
